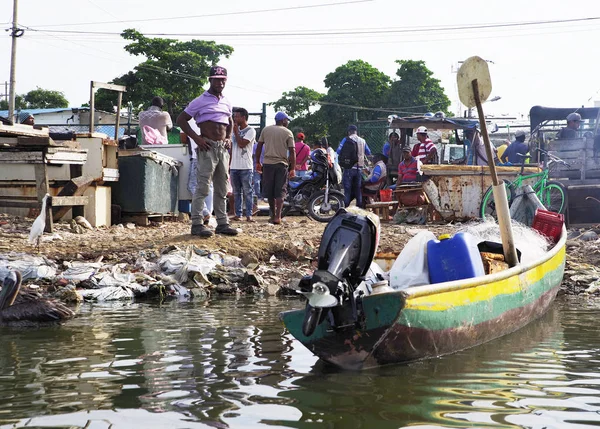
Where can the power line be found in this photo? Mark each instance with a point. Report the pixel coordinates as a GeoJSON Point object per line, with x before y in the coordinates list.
{"type": "Point", "coordinates": [364, 31]}
{"type": "Point", "coordinates": [288, 8]}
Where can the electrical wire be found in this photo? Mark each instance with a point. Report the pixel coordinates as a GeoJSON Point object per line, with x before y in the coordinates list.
{"type": "Point", "coordinates": [221, 14]}
{"type": "Point", "coordinates": [358, 32]}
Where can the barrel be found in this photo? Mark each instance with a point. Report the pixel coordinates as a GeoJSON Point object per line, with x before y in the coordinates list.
{"type": "Point", "coordinates": [454, 258]}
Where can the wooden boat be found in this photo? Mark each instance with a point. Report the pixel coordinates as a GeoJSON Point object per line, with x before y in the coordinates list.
{"type": "Point", "coordinates": [434, 320]}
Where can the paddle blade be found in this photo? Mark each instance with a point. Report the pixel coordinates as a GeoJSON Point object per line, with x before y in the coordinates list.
{"type": "Point", "coordinates": [473, 68]}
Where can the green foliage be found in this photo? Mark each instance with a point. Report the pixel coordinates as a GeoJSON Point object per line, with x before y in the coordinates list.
{"type": "Point", "coordinates": [38, 98]}
{"type": "Point", "coordinates": [19, 103]}
{"type": "Point", "coordinates": [417, 88]}
{"type": "Point", "coordinates": [297, 103]}
{"type": "Point", "coordinates": [174, 70]}
{"type": "Point", "coordinates": [45, 99]}
{"type": "Point", "coordinates": [356, 83]}
{"type": "Point", "coordinates": [361, 85]}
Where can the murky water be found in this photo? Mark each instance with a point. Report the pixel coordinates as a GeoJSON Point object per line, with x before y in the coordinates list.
{"type": "Point", "coordinates": [229, 363]}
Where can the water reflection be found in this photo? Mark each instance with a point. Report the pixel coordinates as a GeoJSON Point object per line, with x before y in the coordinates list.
{"type": "Point", "coordinates": [230, 363]}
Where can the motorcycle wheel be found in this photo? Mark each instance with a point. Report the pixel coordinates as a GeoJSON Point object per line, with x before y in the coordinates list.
{"type": "Point", "coordinates": [323, 211]}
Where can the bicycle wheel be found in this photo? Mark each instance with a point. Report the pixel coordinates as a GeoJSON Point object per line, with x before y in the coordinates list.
{"type": "Point", "coordinates": [488, 206]}
{"type": "Point", "coordinates": [554, 197]}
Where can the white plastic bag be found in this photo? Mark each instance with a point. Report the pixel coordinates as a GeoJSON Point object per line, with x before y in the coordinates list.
{"type": "Point", "coordinates": [410, 268]}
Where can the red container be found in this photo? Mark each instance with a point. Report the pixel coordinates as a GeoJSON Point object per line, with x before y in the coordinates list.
{"type": "Point", "coordinates": [385, 194]}
{"type": "Point", "coordinates": [549, 224]}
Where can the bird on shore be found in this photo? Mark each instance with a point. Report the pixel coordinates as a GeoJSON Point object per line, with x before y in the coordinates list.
{"type": "Point", "coordinates": [39, 224]}
{"type": "Point", "coordinates": [28, 308]}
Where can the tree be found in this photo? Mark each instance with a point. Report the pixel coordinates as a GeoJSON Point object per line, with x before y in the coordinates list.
{"type": "Point", "coordinates": [40, 98]}
{"type": "Point", "coordinates": [173, 70]}
{"type": "Point", "coordinates": [356, 83]}
{"type": "Point", "coordinates": [297, 103]}
{"type": "Point", "coordinates": [417, 90]}
{"type": "Point", "coordinates": [19, 103]}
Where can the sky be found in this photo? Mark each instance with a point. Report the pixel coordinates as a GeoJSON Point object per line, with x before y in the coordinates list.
{"type": "Point", "coordinates": [552, 61]}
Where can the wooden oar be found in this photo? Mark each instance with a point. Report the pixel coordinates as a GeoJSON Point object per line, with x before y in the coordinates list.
{"type": "Point", "coordinates": [474, 87]}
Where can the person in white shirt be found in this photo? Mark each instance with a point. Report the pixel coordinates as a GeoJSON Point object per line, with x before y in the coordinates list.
{"type": "Point", "coordinates": [155, 118]}
{"type": "Point", "coordinates": [241, 168]}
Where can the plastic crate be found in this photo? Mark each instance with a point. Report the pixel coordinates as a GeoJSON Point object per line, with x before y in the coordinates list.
{"type": "Point", "coordinates": [549, 224]}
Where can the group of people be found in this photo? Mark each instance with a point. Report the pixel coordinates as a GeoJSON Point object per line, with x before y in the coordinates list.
{"type": "Point", "coordinates": [223, 145]}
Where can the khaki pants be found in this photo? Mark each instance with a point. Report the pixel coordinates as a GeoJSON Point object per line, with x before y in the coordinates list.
{"type": "Point", "coordinates": [213, 166]}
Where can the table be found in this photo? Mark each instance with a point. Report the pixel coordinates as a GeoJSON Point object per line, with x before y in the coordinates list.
{"type": "Point", "coordinates": [383, 209]}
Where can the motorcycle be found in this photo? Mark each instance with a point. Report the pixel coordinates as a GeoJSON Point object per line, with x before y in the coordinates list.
{"type": "Point", "coordinates": [315, 194]}
{"type": "Point", "coordinates": [345, 255]}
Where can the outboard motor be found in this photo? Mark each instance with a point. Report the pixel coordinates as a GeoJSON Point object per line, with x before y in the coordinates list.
{"type": "Point", "coordinates": [347, 249]}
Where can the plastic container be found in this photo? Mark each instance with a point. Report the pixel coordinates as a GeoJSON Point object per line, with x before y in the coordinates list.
{"type": "Point", "coordinates": [454, 258]}
{"type": "Point", "coordinates": [549, 224]}
{"type": "Point", "coordinates": [385, 194]}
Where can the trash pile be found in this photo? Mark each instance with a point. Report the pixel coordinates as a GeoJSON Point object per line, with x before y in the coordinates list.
{"type": "Point", "coordinates": [582, 272]}
{"type": "Point", "coordinates": [176, 272]}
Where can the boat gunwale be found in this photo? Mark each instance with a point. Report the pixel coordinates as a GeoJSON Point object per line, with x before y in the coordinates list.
{"type": "Point", "coordinates": [426, 290]}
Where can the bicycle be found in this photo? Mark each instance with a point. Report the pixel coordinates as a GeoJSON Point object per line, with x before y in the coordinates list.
{"type": "Point", "coordinates": [552, 194]}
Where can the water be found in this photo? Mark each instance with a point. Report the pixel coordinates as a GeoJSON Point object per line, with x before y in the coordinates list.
{"type": "Point", "coordinates": [230, 363]}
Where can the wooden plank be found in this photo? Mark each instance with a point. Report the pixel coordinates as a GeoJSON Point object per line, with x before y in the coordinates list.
{"type": "Point", "coordinates": [35, 141]}
{"type": "Point", "coordinates": [9, 202]}
{"type": "Point", "coordinates": [12, 141]}
{"type": "Point", "coordinates": [69, 201]}
{"type": "Point", "coordinates": [74, 188]}
{"type": "Point", "coordinates": [21, 157]}
{"type": "Point", "coordinates": [23, 130]}
{"type": "Point", "coordinates": [41, 181]}
{"type": "Point", "coordinates": [66, 158]}
{"type": "Point", "coordinates": [98, 85]}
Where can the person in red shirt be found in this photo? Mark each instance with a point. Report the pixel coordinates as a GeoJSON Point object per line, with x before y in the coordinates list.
{"type": "Point", "coordinates": [425, 151]}
{"type": "Point", "coordinates": [302, 155]}
{"type": "Point", "coordinates": [408, 169]}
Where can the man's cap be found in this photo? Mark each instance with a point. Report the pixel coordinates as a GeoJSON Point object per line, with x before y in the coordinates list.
{"type": "Point", "coordinates": [23, 116]}
{"type": "Point", "coordinates": [300, 136]}
{"type": "Point", "coordinates": [218, 72]}
{"type": "Point", "coordinates": [519, 133]}
{"type": "Point", "coordinates": [422, 130]}
{"type": "Point", "coordinates": [574, 117]}
{"type": "Point", "coordinates": [280, 116]}
{"type": "Point", "coordinates": [406, 149]}
{"type": "Point", "coordinates": [352, 128]}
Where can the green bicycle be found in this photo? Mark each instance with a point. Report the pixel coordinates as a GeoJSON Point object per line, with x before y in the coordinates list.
{"type": "Point", "coordinates": [552, 194]}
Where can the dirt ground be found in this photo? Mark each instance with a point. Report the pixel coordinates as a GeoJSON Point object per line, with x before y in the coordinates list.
{"type": "Point", "coordinates": [294, 244]}
{"type": "Point", "coordinates": [256, 243]}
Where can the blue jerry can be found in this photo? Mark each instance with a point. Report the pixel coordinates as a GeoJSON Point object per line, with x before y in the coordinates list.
{"type": "Point", "coordinates": [454, 258]}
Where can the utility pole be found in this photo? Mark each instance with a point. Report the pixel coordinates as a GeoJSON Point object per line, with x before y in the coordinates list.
{"type": "Point", "coordinates": [14, 33]}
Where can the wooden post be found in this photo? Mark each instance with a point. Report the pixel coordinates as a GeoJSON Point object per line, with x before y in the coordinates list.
{"type": "Point", "coordinates": [92, 108]}
{"type": "Point", "coordinates": [484, 133]}
{"type": "Point", "coordinates": [41, 182]}
{"type": "Point", "coordinates": [118, 120]}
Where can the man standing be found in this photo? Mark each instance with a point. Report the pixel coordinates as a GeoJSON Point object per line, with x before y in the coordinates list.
{"type": "Point", "coordinates": [425, 151]}
{"type": "Point", "coordinates": [155, 118]}
{"type": "Point", "coordinates": [241, 163]}
{"type": "Point", "coordinates": [352, 177]}
{"type": "Point", "coordinates": [212, 112]}
{"type": "Point", "coordinates": [515, 152]}
{"type": "Point", "coordinates": [570, 131]}
{"type": "Point", "coordinates": [392, 149]}
{"type": "Point", "coordinates": [279, 163]}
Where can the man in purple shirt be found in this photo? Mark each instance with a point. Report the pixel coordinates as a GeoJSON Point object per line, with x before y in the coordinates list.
{"type": "Point", "coordinates": [212, 112]}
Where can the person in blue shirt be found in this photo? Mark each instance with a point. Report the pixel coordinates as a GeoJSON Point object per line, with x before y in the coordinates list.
{"type": "Point", "coordinates": [377, 177]}
{"type": "Point", "coordinates": [515, 152]}
{"type": "Point", "coordinates": [352, 177]}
